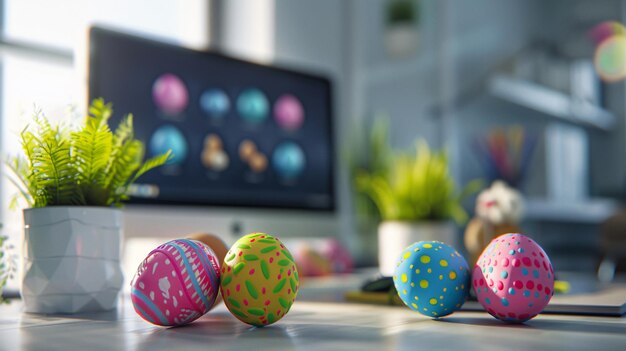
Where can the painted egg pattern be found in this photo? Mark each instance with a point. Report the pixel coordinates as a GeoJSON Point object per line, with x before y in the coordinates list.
{"type": "Point", "coordinates": [259, 279]}
{"type": "Point", "coordinates": [513, 278]}
{"type": "Point", "coordinates": [432, 278]}
{"type": "Point", "coordinates": [177, 283]}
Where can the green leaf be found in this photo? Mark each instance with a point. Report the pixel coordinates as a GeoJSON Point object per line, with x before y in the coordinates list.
{"type": "Point", "coordinates": [18, 176]}
{"type": "Point", "coordinates": [256, 311]}
{"type": "Point", "coordinates": [251, 289]}
{"type": "Point", "coordinates": [52, 167]}
{"type": "Point", "coordinates": [100, 111]}
{"type": "Point", "coordinates": [280, 285]}
{"type": "Point", "coordinates": [234, 302]}
{"type": "Point", "coordinates": [227, 280]}
{"type": "Point", "coordinates": [287, 254]}
{"type": "Point", "coordinates": [238, 267]}
{"type": "Point", "coordinates": [91, 152]}
{"type": "Point", "coordinates": [122, 167]}
{"type": "Point", "coordinates": [268, 249]}
{"type": "Point", "coordinates": [152, 163]}
{"type": "Point", "coordinates": [283, 302]}
{"type": "Point", "coordinates": [123, 134]}
{"type": "Point", "coordinates": [294, 287]}
{"type": "Point", "coordinates": [238, 313]}
{"type": "Point", "coordinates": [265, 269]}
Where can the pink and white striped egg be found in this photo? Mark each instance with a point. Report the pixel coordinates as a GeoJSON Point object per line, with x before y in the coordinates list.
{"type": "Point", "coordinates": [177, 283]}
{"type": "Point", "coordinates": [513, 278]}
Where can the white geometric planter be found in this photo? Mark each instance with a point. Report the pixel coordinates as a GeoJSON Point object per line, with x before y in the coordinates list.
{"type": "Point", "coordinates": [395, 236]}
{"type": "Point", "coordinates": [71, 259]}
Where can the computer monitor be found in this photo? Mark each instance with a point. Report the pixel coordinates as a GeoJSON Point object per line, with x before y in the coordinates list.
{"type": "Point", "coordinates": [252, 144]}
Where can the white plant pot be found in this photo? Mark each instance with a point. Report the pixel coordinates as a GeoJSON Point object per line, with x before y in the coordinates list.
{"type": "Point", "coordinates": [395, 236]}
{"type": "Point", "coordinates": [71, 259]}
{"type": "Point", "coordinates": [401, 40]}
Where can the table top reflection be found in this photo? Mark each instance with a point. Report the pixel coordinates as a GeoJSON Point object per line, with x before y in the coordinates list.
{"type": "Point", "coordinates": [309, 326]}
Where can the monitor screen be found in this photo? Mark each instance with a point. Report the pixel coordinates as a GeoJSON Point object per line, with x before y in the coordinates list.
{"type": "Point", "coordinates": [242, 134]}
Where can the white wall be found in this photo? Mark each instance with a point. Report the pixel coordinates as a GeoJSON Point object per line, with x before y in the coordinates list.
{"type": "Point", "coordinates": [315, 36]}
{"type": "Point", "coordinates": [439, 93]}
{"type": "Point", "coordinates": [459, 42]}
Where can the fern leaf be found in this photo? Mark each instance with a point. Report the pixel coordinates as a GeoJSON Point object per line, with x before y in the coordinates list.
{"type": "Point", "coordinates": [151, 163]}
{"type": "Point", "coordinates": [124, 130]}
{"type": "Point", "coordinates": [28, 143]}
{"type": "Point", "coordinates": [51, 166]}
{"type": "Point", "coordinates": [19, 177]}
{"type": "Point", "coordinates": [54, 171]}
{"type": "Point", "coordinates": [100, 111]}
{"type": "Point", "coordinates": [126, 162]}
{"type": "Point", "coordinates": [91, 150]}
{"type": "Point", "coordinates": [123, 133]}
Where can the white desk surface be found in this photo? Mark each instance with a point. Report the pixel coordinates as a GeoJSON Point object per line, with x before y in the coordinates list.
{"type": "Point", "coordinates": [310, 326]}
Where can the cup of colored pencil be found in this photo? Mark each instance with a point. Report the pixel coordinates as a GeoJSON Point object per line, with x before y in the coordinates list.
{"type": "Point", "coordinates": [505, 154]}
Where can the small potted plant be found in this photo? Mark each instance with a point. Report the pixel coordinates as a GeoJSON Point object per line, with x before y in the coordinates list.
{"type": "Point", "coordinates": [401, 32]}
{"type": "Point", "coordinates": [74, 181]}
{"type": "Point", "coordinates": [416, 200]}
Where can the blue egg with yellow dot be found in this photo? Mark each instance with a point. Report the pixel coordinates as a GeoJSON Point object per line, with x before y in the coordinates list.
{"type": "Point", "coordinates": [432, 278]}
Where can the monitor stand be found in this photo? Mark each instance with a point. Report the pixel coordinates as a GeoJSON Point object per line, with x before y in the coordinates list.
{"type": "Point", "coordinates": [170, 222]}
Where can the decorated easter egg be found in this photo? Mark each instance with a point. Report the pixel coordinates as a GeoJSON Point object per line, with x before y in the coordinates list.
{"type": "Point", "coordinates": [259, 279]}
{"type": "Point", "coordinates": [170, 94]}
{"type": "Point", "coordinates": [177, 283]}
{"type": "Point", "coordinates": [432, 278]}
{"type": "Point", "coordinates": [513, 278]}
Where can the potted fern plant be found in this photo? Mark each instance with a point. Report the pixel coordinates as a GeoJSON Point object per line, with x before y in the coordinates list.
{"type": "Point", "coordinates": [415, 198]}
{"type": "Point", "coordinates": [74, 181]}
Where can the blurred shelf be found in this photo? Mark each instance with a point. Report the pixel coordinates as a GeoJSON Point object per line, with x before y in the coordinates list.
{"type": "Point", "coordinates": [550, 102]}
{"type": "Point", "coordinates": [591, 211]}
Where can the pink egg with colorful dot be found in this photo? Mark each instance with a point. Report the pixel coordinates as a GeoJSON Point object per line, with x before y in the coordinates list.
{"type": "Point", "coordinates": [177, 283]}
{"type": "Point", "coordinates": [513, 278]}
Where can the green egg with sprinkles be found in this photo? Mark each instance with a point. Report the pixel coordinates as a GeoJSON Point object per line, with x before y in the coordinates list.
{"type": "Point", "coordinates": [432, 278]}
{"type": "Point", "coordinates": [259, 280]}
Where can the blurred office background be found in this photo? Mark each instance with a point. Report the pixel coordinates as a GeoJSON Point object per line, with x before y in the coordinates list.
{"type": "Point", "coordinates": [448, 71]}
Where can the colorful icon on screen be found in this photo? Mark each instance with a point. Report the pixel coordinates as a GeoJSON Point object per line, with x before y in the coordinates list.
{"type": "Point", "coordinates": [288, 160]}
{"type": "Point", "coordinates": [252, 105]}
{"type": "Point", "coordinates": [213, 155]}
{"type": "Point", "coordinates": [170, 94]}
{"type": "Point", "coordinates": [215, 103]}
{"type": "Point", "coordinates": [288, 112]}
{"type": "Point", "coordinates": [167, 138]}
{"type": "Point", "coordinates": [249, 154]}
